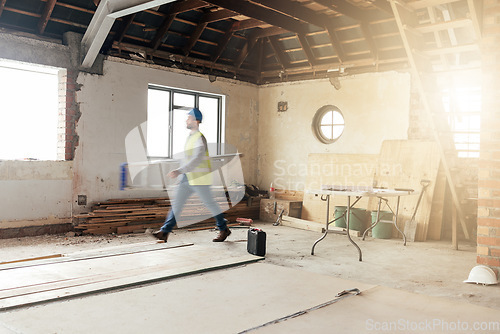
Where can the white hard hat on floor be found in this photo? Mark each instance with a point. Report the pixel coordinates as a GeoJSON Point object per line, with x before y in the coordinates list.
{"type": "Point", "coordinates": [481, 274]}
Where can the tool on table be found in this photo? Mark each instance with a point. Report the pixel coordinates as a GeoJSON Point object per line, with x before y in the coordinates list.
{"type": "Point", "coordinates": [411, 225]}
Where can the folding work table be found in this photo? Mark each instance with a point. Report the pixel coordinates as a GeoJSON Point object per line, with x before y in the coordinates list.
{"type": "Point", "coordinates": [359, 192]}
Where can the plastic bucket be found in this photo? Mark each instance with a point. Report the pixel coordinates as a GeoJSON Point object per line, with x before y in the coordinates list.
{"type": "Point", "coordinates": [384, 215]}
{"type": "Point", "coordinates": [339, 211]}
{"type": "Point", "coordinates": [356, 220]}
{"type": "Point", "coordinates": [383, 230]}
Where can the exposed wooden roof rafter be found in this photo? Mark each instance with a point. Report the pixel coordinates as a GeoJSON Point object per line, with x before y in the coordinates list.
{"type": "Point", "coordinates": [249, 9]}
{"type": "Point", "coordinates": [44, 19]}
{"type": "Point", "coordinates": [2, 6]}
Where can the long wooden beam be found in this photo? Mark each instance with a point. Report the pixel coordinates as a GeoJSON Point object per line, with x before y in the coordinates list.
{"type": "Point", "coordinates": [223, 43]}
{"type": "Point", "coordinates": [174, 9]}
{"type": "Point", "coordinates": [294, 10]}
{"type": "Point", "coordinates": [252, 10]}
{"type": "Point", "coordinates": [307, 49]}
{"type": "Point", "coordinates": [162, 30]}
{"type": "Point", "coordinates": [2, 6]}
{"type": "Point", "coordinates": [247, 48]}
{"type": "Point", "coordinates": [280, 56]}
{"type": "Point", "coordinates": [186, 60]}
{"type": "Point", "coordinates": [126, 22]}
{"type": "Point", "coordinates": [344, 8]}
{"type": "Point", "coordinates": [44, 19]}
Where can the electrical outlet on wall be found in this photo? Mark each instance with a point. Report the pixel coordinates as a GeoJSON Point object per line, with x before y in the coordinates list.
{"type": "Point", "coordinates": [82, 200]}
{"type": "Point", "coordinates": [282, 106]}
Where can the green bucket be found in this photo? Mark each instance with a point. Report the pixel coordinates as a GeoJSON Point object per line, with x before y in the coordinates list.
{"type": "Point", "coordinates": [384, 215]}
{"type": "Point", "coordinates": [339, 211]}
{"type": "Point", "coordinates": [356, 220]}
{"type": "Point", "coordinates": [383, 230]}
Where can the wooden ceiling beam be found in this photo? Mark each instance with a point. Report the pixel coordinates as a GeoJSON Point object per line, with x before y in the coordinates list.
{"type": "Point", "coordinates": [247, 48]}
{"type": "Point", "coordinates": [219, 15]}
{"type": "Point", "coordinates": [252, 10]}
{"type": "Point", "coordinates": [475, 10]}
{"type": "Point", "coordinates": [294, 10]}
{"type": "Point", "coordinates": [248, 24]}
{"type": "Point", "coordinates": [271, 31]}
{"type": "Point", "coordinates": [383, 5]}
{"type": "Point", "coordinates": [307, 49]}
{"type": "Point", "coordinates": [174, 9]}
{"type": "Point", "coordinates": [195, 36]}
{"type": "Point", "coordinates": [185, 60]}
{"type": "Point", "coordinates": [365, 28]}
{"type": "Point", "coordinates": [224, 41]}
{"type": "Point", "coordinates": [280, 56]}
{"type": "Point", "coordinates": [44, 19]}
{"type": "Point", "coordinates": [162, 30]}
{"type": "Point", "coordinates": [344, 8]}
{"type": "Point", "coordinates": [336, 43]}
{"type": "Point", "coordinates": [125, 24]}
{"type": "Point", "coordinates": [2, 6]}
{"type": "Point", "coordinates": [185, 6]}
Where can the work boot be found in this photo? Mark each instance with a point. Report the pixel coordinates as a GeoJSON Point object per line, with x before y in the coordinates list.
{"type": "Point", "coordinates": [161, 235]}
{"type": "Point", "coordinates": [222, 235]}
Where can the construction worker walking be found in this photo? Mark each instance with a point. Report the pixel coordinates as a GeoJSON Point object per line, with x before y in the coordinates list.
{"type": "Point", "coordinates": [196, 177]}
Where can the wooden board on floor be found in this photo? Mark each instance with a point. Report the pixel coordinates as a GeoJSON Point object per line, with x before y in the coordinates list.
{"type": "Point", "coordinates": [55, 280]}
{"type": "Point", "coordinates": [435, 228]}
{"type": "Point", "coordinates": [335, 169]}
{"type": "Point", "coordinates": [249, 297]}
{"type": "Point", "coordinates": [246, 296]}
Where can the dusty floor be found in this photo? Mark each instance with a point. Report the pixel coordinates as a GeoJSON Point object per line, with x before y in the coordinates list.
{"type": "Point", "coordinates": [430, 268]}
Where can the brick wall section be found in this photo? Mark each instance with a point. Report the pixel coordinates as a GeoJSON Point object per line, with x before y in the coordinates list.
{"type": "Point", "coordinates": [69, 113]}
{"type": "Point", "coordinates": [419, 125]}
{"type": "Point", "coordinates": [488, 221]}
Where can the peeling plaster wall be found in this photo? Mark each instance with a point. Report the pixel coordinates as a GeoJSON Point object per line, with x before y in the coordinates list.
{"type": "Point", "coordinates": [375, 108]}
{"type": "Point", "coordinates": [113, 104]}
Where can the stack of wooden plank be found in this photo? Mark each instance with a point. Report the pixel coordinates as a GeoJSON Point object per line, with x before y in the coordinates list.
{"type": "Point", "coordinates": [138, 214]}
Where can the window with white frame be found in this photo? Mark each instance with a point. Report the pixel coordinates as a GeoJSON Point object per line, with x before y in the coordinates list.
{"type": "Point", "coordinates": [167, 110]}
{"type": "Point", "coordinates": [28, 111]}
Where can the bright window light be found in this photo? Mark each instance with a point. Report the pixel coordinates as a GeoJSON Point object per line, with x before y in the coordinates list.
{"type": "Point", "coordinates": [463, 107]}
{"type": "Point", "coordinates": [28, 111]}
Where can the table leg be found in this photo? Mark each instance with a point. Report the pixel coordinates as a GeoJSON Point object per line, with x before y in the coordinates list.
{"type": "Point", "coordinates": [347, 225]}
{"type": "Point", "coordinates": [396, 221]}
{"type": "Point", "coordinates": [376, 221]}
{"type": "Point", "coordinates": [327, 223]}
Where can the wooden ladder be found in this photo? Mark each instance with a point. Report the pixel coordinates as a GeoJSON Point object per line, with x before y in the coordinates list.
{"type": "Point", "coordinates": [429, 56]}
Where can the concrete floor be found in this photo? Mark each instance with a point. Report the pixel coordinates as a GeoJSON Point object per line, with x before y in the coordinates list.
{"type": "Point", "coordinates": [429, 268]}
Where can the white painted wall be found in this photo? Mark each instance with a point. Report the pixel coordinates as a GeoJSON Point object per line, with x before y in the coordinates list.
{"type": "Point", "coordinates": [31, 191]}
{"type": "Point", "coordinates": [115, 103]}
{"type": "Point", "coordinates": [375, 107]}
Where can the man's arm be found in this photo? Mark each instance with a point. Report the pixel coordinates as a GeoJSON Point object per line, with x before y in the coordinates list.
{"type": "Point", "coordinates": [198, 155]}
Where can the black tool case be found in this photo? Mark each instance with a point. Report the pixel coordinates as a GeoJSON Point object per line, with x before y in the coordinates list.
{"type": "Point", "coordinates": [256, 243]}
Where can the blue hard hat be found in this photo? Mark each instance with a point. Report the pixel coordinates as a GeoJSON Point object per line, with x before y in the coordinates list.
{"type": "Point", "coordinates": [196, 113]}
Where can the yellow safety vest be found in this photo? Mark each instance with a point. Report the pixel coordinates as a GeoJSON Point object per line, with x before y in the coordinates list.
{"type": "Point", "coordinates": [201, 174]}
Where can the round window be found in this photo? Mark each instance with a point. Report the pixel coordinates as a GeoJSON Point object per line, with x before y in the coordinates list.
{"type": "Point", "coordinates": [328, 124]}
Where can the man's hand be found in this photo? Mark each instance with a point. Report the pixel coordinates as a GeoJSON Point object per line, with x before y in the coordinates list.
{"type": "Point", "coordinates": [173, 174]}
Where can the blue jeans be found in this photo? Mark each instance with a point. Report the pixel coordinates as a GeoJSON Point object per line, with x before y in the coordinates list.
{"type": "Point", "coordinates": [182, 194]}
